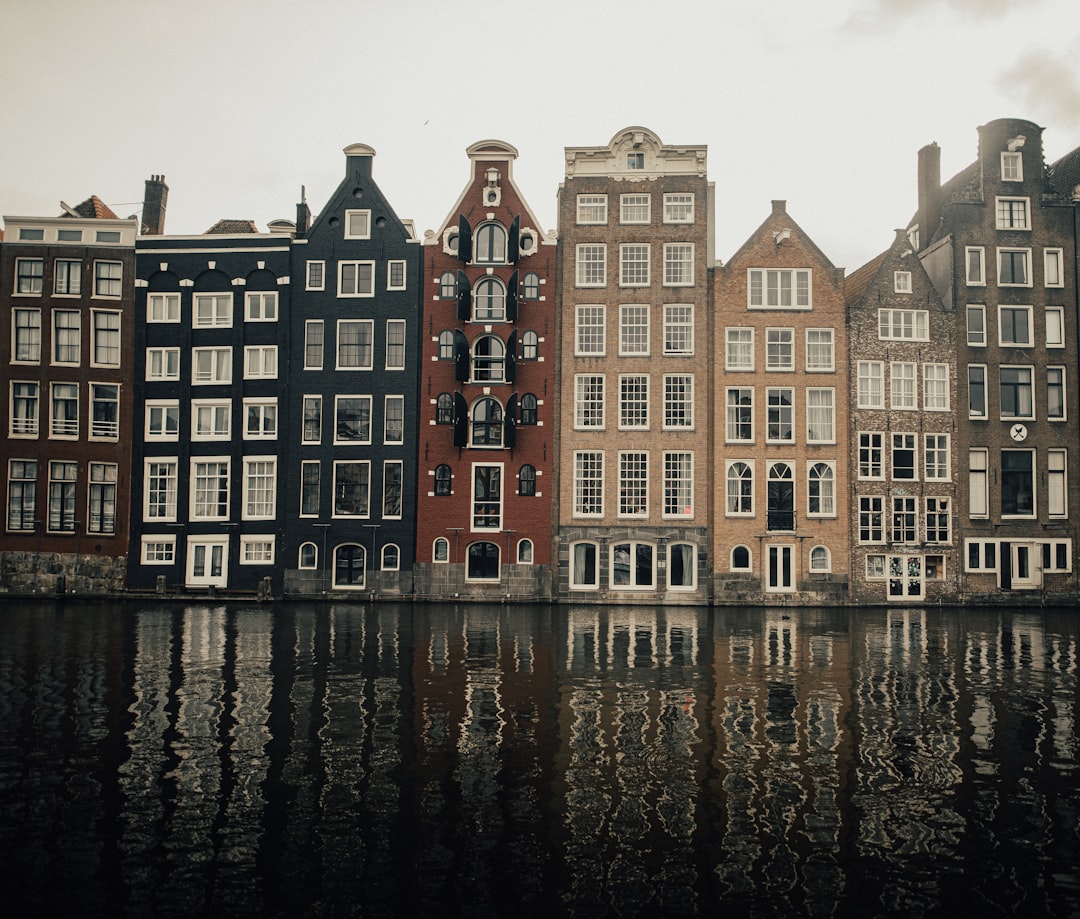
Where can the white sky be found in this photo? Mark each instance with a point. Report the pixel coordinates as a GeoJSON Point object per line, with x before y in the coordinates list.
{"type": "Point", "coordinates": [824, 103]}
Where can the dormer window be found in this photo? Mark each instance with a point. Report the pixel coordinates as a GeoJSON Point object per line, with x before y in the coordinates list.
{"type": "Point", "coordinates": [902, 282]}
{"type": "Point", "coordinates": [1012, 167]}
{"type": "Point", "coordinates": [635, 160]}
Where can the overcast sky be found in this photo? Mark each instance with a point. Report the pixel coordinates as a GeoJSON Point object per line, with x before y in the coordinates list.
{"type": "Point", "coordinates": [239, 103]}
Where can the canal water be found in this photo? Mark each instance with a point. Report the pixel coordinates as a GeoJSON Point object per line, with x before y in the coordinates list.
{"type": "Point", "coordinates": [438, 760]}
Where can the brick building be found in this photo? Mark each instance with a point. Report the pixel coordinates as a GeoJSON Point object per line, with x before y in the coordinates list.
{"type": "Point", "coordinates": [634, 450]}
{"type": "Point", "coordinates": [486, 407]}
{"type": "Point", "coordinates": [66, 288]}
{"type": "Point", "coordinates": [780, 530]}
{"type": "Point", "coordinates": [902, 403]}
{"type": "Point", "coordinates": [998, 241]}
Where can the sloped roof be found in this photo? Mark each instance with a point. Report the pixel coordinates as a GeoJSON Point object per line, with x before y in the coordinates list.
{"type": "Point", "coordinates": [231, 227]}
{"type": "Point", "coordinates": [93, 207]}
{"type": "Point", "coordinates": [858, 282]}
{"type": "Point", "coordinates": [1064, 175]}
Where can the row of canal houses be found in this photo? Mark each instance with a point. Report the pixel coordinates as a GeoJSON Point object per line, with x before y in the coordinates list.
{"type": "Point", "coordinates": [606, 413]}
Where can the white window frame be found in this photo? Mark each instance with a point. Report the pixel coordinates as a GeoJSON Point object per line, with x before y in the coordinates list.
{"type": "Point", "coordinates": [870, 384]}
{"type": "Point", "coordinates": [1012, 166]}
{"type": "Point", "coordinates": [903, 325]}
{"type": "Point", "coordinates": [157, 549]}
{"type": "Point", "coordinates": [387, 401]}
{"type": "Point", "coordinates": [633, 493]}
{"type": "Point", "coordinates": [1057, 483]}
{"type": "Point", "coordinates": [679, 264]}
{"type": "Point", "coordinates": [315, 274]}
{"type": "Point", "coordinates": [633, 402]}
{"type": "Point", "coordinates": [589, 399]}
{"type": "Point", "coordinates": [220, 315]}
{"type": "Point", "coordinates": [357, 223]}
{"type": "Point", "coordinates": [1004, 308]}
{"type": "Point", "coordinates": [903, 386]}
{"type": "Point", "coordinates": [825, 346]}
{"type": "Point", "coordinates": [787, 411]}
{"type": "Point", "coordinates": [63, 428]}
{"type": "Point", "coordinates": [24, 425]}
{"type": "Point", "coordinates": [634, 335]}
{"type": "Point", "coordinates": [936, 388]}
{"type": "Point", "coordinates": [369, 324]}
{"type": "Point", "coordinates": [766, 287]}
{"type": "Point", "coordinates": [269, 498]}
{"type": "Point", "coordinates": [588, 483]}
{"type": "Point", "coordinates": [260, 306]}
{"type": "Point", "coordinates": [678, 492]}
{"type": "Point", "coordinates": [738, 349]}
{"type": "Point", "coordinates": [827, 408]}
{"type": "Point", "coordinates": [95, 315]}
{"type": "Point", "coordinates": [248, 544]}
{"type": "Point", "coordinates": [218, 412]}
{"type": "Point", "coordinates": [309, 326]}
{"type": "Point", "coordinates": [371, 420]}
{"type": "Point", "coordinates": [1064, 413]}
{"type": "Point", "coordinates": [363, 463]}
{"type": "Point", "coordinates": [1054, 317]}
{"type": "Point", "coordinates": [393, 265]}
{"type": "Point", "coordinates": [163, 357]}
{"type": "Point", "coordinates": [159, 430]}
{"type": "Point", "coordinates": [76, 328]}
{"type": "Point", "coordinates": [679, 207]}
{"type": "Point", "coordinates": [937, 471]}
{"type": "Point", "coordinates": [32, 289]}
{"type": "Point", "coordinates": [975, 266]}
{"type": "Point", "coordinates": [679, 328]}
{"type": "Point", "coordinates": [678, 402]}
{"type": "Point", "coordinates": [356, 288]}
{"type": "Point", "coordinates": [1053, 267]}
{"type": "Point", "coordinates": [32, 348]}
{"type": "Point", "coordinates": [1032, 393]}
{"type": "Point", "coordinates": [976, 331]}
{"type": "Point", "coordinates": [982, 368]}
{"type": "Point", "coordinates": [590, 265]}
{"type": "Point", "coordinates": [978, 483]}
{"type": "Point", "coordinates": [635, 264]}
{"type": "Point", "coordinates": [592, 210]}
{"type": "Point", "coordinates": [628, 203]}
{"type": "Point", "coordinates": [222, 462]}
{"type": "Point", "coordinates": [871, 520]}
{"type": "Point", "coordinates": [1014, 250]}
{"type": "Point", "coordinates": [265, 412]}
{"type": "Point", "coordinates": [217, 365]}
{"type": "Point", "coordinates": [735, 412]}
{"type": "Point", "coordinates": [1012, 213]}
{"type": "Point", "coordinates": [902, 282]}
{"type": "Point", "coordinates": [910, 441]}
{"type": "Point", "coordinates": [590, 330]}
{"type": "Point", "coordinates": [737, 497]}
{"type": "Point", "coordinates": [170, 476]}
{"type": "Point", "coordinates": [110, 276]}
{"type": "Point", "coordinates": [260, 362]}
{"type": "Point", "coordinates": [99, 429]}
{"type": "Point", "coordinates": [827, 501]}
{"type": "Point", "coordinates": [163, 308]}
{"type": "Point", "coordinates": [393, 328]}
{"type": "Point", "coordinates": [871, 456]}
{"type": "Point", "coordinates": [779, 341]}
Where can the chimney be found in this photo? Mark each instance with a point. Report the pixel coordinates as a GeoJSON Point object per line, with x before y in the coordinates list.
{"type": "Point", "coordinates": [155, 200]}
{"type": "Point", "coordinates": [303, 215]}
{"type": "Point", "coordinates": [929, 216]}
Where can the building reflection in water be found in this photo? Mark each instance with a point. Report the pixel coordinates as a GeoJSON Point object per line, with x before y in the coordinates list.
{"type": "Point", "coordinates": [508, 760]}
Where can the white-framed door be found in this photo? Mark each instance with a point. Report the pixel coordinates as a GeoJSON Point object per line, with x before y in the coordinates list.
{"type": "Point", "coordinates": [207, 561]}
{"type": "Point", "coordinates": [905, 577]}
{"type": "Point", "coordinates": [780, 569]}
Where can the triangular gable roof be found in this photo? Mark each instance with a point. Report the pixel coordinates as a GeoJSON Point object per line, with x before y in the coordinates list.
{"type": "Point", "coordinates": [858, 282]}
{"type": "Point", "coordinates": [1064, 175]}
{"type": "Point", "coordinates": [790, 224]}
{"type": "Point", "coordinates": [232, 227]}
{"type": "Point", "coordinates": [94, 208]}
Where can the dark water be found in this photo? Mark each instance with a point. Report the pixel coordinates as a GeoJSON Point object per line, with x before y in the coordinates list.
{"type": "Point", "coordinates": [304, 760]}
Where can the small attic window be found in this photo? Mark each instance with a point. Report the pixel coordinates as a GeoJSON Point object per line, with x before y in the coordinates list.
{"type": "Point", "coordinates": [1012, 167]}
{"type": "Point", "coordinates": [635, 160]}
{"type": "Point", "coordinates": [902, 282]}
{"type": "Point", "coordinates": [25, 233]}
{"type": "Point", "coordinates": [107, 236]}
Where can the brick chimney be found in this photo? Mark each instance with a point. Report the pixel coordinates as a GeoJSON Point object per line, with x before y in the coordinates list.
{"type": "Point", "coordinates": [929, 216]}
{"type": "Point", "coordinates": [303, 215]}
{"type": "Point", "coordinates": [155, 200]}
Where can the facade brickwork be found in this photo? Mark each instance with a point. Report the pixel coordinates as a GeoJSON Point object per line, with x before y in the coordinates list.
{"type": "Point", "coordinates": [780, 528]}
{"type": "Point", "coordinates": [635, 230]}
{"type": "Point", "coordinates": [903, 404]}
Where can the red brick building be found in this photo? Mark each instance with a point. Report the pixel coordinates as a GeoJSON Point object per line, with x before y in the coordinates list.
{"type": "Point", "coordinates": [485, 487]}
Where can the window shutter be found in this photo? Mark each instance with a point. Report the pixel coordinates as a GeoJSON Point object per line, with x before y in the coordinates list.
{"type": "Point", "coordinates": [513, 243]}
{"type": "Point", "coordinates": [461, 356]}
{"type": "Point", "coordinates": [510, 421]}
{"type": "Point", "coordinates": [511, 357]}
{"type": "Point", "coordinates": [464, 239]}
{"type": "Point", "coordinates": [461, 420]}
{"type": "Point", "coordinates": [464, 297]}
{"type": "Point", "coordinates": [512, 298]}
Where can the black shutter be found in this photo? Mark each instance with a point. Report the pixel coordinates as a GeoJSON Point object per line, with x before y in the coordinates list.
{"type": "Point", "coordinates": [464, 297]}
{"type": "Point", "coordinates": [513, 244]}
{"type": "Point", "coordinates": [512, 298]}
{"type": "Point", "coordinates": [461, 356]}
{"type": "Point", "coordinates": [511, 357]}
{"type": "Point", "coordinates": [461, 421]}
{"type": "Point", "coordinates": [510, 421]}
{"type": "Point", "coordinates": [464, 239]}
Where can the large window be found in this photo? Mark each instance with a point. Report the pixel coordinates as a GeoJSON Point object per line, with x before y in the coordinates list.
{"type": "Point", "coordinates": [260, 488]}
{"type": "Point", "coordinates": [678, 400]}
{"type": "Point", "coordinates": [780, 349]}
{"type": "Point", "coordinates": [104, 411]}
{"type": "Point", "coordinates": [588, 483]}
{"type": "Point", "coordinates": [25, 336]}
{"type": "Point", "coordinates": [108, 279]}
{"type": "Point", "coordinates": [592, 209]}
{"type": "Point", "coordinates": [589, 400]}
{"type": "Point", "coordinates": [634, 401]}
{"type": "Point", "coordinates": [22, 494]}
{"type": "Point", "coordinates": [356, 279]}
{"type": "Point", "coordinates": [871, 519]}
{"type": "Point", "coordinates": [871, 453]}
{"type": "Point", "coordinates": [871, 384]}
{"type": "Point", "coordinates": [634, 329]}
{"type": "Point", "coordinates": [978, 483]}
{"type": "Point", "coordinates": [352, 492]}
{"type": "Point", "coordinates": [163, 307]}
{"type": "Point", "coordinates": [1013, 213]}
{"type": "Point", "coordinates": [1014, 326]}
{"type": "Point", "coordinates": [393, 476]}
{"type": "Point", "coordinates": [64, 416]}
{"type": "Point", "coordinates": [489, 301]}
{"type": "Point", "coordinates": [779, 288]}
{"type": "Point", "coordinates": [904, 465]}
{"type": "Point", "coordinates": [976, 390]}
{"type": "Point", "coordinates": [635, 208]}
{"type": "Point", "coordinates": [260, 306]}
{"type": "Point", "coordinates": [678, 264]}
{"type": "Point", "coordinates": [209, 489]}
{"type": "Point", "coordinates": [936, 387]}
{"type": "Point", "coordinates": [740, 349]}
{"type": "Point", "coordinates": [903, 393]}
{"type": "Point", "coordinates": [160, 477]}
{"type": "Point", "coordinates": [740, 414]}
{"type": "Point", "coordinates": [487, 423]}
{"type": "Point", "coordinates": [903, 325]}
{"type": "Point", "coordinates": [310, 484]}
{"type": "Point", "coordinates": [211, 419]}
{"type": "Point", "coordinates": [212, 311]}
{"type": "Point", "coordinates": [487, 497]}
{"type": "Point", "coordinates": [24, 409]}
{"type": "Point", "coordinates": [819, 350]}
{"type": "Point", "coordinates": [633, 565]}
{"type": "Point", "coordinates": [589, 335]}
{"type": "Point", "coordinates": [780, 415]}
{"type": "Point", "coordinates": [488, 359]}
{"type": "Point", "coordinates": [821, 490]}
{"type": "Point", "coordinates": [352, 419]}
{"type": "Point", "coordinates": [1017, 483]}
{"type": "Point", "coordinates": [1014, 267]}
{"type": "Point", "coordinates": [105, 338]}
{"type": "Point", "coordinates": [1016, 392]}
{"type": "Point", "coordinates": [28, 275]}
{"type": "Point", "coordinates": [211, 365]}
{"type": "Point", "coordinates": [633, 484]}
{"type": "Point", "coordinates": [936, 457]}
{"type": "Point", "coordinates": [678, 484]}
{"type": "Point", "coordinates": [820, 416]}
{"type": "Point", "coordinates": [62, 479]}
{"type": "Point", "coordinates": [678, 328]}
{"type": "Point", "coordinates": [395, 344]}
{"type": "Point", "coordinates": [634, 264]}
{"type": "Point", "coordinates": [679, 208]}
{"type": "Point", "coordinates": [67, 333]}
{"type": "Point", "coordinates": [489, 244]}
{"type": "Point", "coordinates": [313, 344]}
{"type": "Point", "coordinates": [591, 265]}
{"type": "Point", "coordinates": [740, 489]}
{"type": "Point", "coordinates": [355, 349]}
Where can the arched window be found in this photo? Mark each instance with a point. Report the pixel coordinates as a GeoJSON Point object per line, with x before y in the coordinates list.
{"type": "Point", "coordinates": [525, 552]}
{"type": "Point", "coordinates": [530, 346]}
{"type": "Point", "coordinates": [309, 556]}
{"type": "Point", "coordinates": [489, 359]}
{"type": "Point", "coordinates": [821, 491]}
{"type": "Point", "coordinates": [350, 561]}
{"type": "Point", "coordinates": [487, 423]}
{"type": "Point", "coordinates": [391, 557]}
{"type": "Point", "coordinates": [444, 409]}
{"type": "Point", "coordinates": [740, 559]}
{"type": "Point", "coordinates": [483, 562]}
{"type": "Point", "coordinates": [819, 559]}
{"type": "Point", "coordinates": [682, 565]}
{"type": "Point", "coordinates": [489, 301]}
{"type": "Point", "coordinates": [781, 498]}
{"type": "Point", "coordinates": [442, 479]}
{"type": "Point", "coordinates": [446, 345]}
{"type": "Point", "coordinates": [527, 481]}
{"type": "Point", "coordinates": [530, 286]}
{"type": "Point", "coordinates": [529, 408]}
{"type": "Point", "coordinates": [740, 489]}
{"type": "Point", "coordinates": [489, 244]}
{"type": "Point", "coordinates": [584, 566]}
{"type": "Point", "coordinates": [448, 286]}
{"type": "Point", "coordinates": [441, 550]}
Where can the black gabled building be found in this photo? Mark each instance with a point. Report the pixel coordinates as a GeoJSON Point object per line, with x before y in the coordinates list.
{"type": "Point", "coordinates": [351, 395]}
{"type": "Point", "coordinates": [211, 341]}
